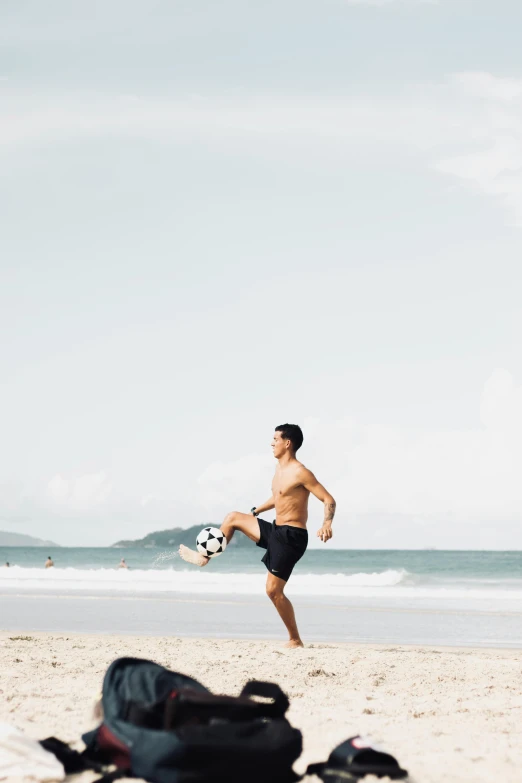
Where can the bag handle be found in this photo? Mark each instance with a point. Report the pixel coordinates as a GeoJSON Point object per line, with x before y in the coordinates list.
{"type": "Point", "coordinates": [268, 690]}
{"type": "Point", "coordinates": [189, 706]}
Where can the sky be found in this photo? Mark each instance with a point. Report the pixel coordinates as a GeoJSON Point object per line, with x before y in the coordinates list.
{"type": "Point", "coordinates": [219, 217]}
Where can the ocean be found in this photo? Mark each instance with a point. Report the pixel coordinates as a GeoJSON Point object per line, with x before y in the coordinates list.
{"type": "Point", "coordinates": [398, 596]}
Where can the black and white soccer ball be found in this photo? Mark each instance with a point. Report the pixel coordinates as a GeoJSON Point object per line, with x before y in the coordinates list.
{"type": "Point", "coordinates": [211, 542]}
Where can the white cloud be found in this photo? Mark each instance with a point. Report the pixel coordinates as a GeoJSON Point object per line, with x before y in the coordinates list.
{"type": "Point", "coordinates": [471, 474]}
{"type": "Point", "coordinates": [149, 500]}
{"type": "Point", "coordinates": [225, 484]}
{"type": "Point", "coordinates": [394, 487]}
{"type": "Point", "coordinates": [79, 494]}
{"type": "Point", "coordinates": [490, 159]}
{"type": "Point", "coordinates": [468, 127]}
{"type": "Point", "coordinates": [256, 118]}
{"type": "Point", "coordinates": [482, 84]}
{"type": "Point", "coordinates": [462, 478]}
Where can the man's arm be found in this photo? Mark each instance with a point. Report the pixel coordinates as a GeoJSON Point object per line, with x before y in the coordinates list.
{"type": "Point", "coordinates": [310, 483]}
{"type": "Point", "coordinates": [265, 506]}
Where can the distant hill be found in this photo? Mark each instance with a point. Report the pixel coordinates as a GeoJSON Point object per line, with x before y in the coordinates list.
{"type": "Point", "coordinates": [173, 538]}
{"type": "Point", "coordinates": [20, 539]}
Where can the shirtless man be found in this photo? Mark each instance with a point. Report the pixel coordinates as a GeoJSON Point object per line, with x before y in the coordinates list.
{"type": "Point", "coordinates": [286, 539]}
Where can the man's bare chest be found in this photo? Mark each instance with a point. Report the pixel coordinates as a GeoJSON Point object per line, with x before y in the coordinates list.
{"type": "Point", "coordinates": [283, 486]}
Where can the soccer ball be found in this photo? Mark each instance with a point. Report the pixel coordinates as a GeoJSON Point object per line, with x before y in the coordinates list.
{"type": "Point", "coordinates": [211, 542]}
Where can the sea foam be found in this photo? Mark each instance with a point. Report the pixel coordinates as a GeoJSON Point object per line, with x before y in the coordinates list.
{"type": "Point", "coordinates": [189, 581]}
{"type": "Point", "coordinates": [186, 580]}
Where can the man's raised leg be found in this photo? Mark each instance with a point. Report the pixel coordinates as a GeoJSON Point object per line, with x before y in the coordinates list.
{"type": "Point", "coordinates": [275, 591]}
{"type": "Point", "coordinates": [246, 523]}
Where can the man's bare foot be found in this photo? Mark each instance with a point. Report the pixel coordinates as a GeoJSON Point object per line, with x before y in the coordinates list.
{"type": "Point", "coordinates": [192, 557]}
{"type": "Point", "coordinates": [293, 643]}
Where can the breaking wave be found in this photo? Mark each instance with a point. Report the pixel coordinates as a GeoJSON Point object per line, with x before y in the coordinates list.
{"type": "Point", "coordinates": [187, 580]}
{"type": "Point", "coordinates": [390, 584]}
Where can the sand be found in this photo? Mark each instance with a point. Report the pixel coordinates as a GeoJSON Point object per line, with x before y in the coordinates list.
{"type": "Point", "coordinates": [447, 714]}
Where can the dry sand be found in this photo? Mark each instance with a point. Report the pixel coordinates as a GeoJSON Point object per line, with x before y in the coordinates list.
{"type": "Point", "coordinates": [447, 714]}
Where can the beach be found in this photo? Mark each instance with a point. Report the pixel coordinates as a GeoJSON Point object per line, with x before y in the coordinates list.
{"type": "Point", "coordinates": [420, 650]}
{"type": "Point", "coordinates": [445, 599]}
{"type": "Point", "coordinates": [447, 714]}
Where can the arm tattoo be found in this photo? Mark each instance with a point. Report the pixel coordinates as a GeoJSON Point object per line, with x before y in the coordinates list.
{"type": "Point", "coordinates": [329, 511]}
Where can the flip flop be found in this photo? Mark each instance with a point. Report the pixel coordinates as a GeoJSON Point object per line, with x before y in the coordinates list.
{"type": "Point", "coordinates": [355, 758]}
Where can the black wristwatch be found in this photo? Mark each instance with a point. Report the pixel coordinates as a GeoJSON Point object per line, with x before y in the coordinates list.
{"type": "Point", "coordinates": [253, 511]}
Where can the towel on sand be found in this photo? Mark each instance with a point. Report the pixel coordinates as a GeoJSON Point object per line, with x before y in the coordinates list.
{"type": "Point", "coordinates": [23, 758]}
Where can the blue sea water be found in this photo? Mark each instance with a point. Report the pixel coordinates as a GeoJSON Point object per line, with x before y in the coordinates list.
{"type": "Point", "coordinates": [331, 572]}
{"type": "Point", "coordinates": [399, 596]}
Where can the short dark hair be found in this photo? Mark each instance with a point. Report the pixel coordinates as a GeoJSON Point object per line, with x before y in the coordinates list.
{"type": "Point", "coordinates": [291, 432]}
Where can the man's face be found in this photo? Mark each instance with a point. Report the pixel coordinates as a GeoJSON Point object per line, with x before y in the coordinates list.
{"type": "Point", "coordinates": [279, 446]}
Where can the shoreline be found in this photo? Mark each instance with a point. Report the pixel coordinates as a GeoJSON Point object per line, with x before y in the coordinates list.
{"type": "Point", "coordinates": [451, 714]}
{"type": "Point", "coordinates": [254, 618]}
{"type": "Point", "coordinates": [275, 644]}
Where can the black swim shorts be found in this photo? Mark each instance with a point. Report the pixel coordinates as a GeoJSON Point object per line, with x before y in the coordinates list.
{"type": "Point", "coordinates": [284, 545]}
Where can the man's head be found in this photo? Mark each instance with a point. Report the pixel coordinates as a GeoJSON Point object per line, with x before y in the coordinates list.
{"type": "Point", "coordinates": [287, 438]}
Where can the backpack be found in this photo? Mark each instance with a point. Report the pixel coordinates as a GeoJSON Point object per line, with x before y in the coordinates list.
{"type": "Point", "coordinates": [168, 728]}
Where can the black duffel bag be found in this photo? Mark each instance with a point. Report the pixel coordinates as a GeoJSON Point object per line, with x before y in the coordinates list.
{"type": "Point", "coordinates": [166, 727]}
